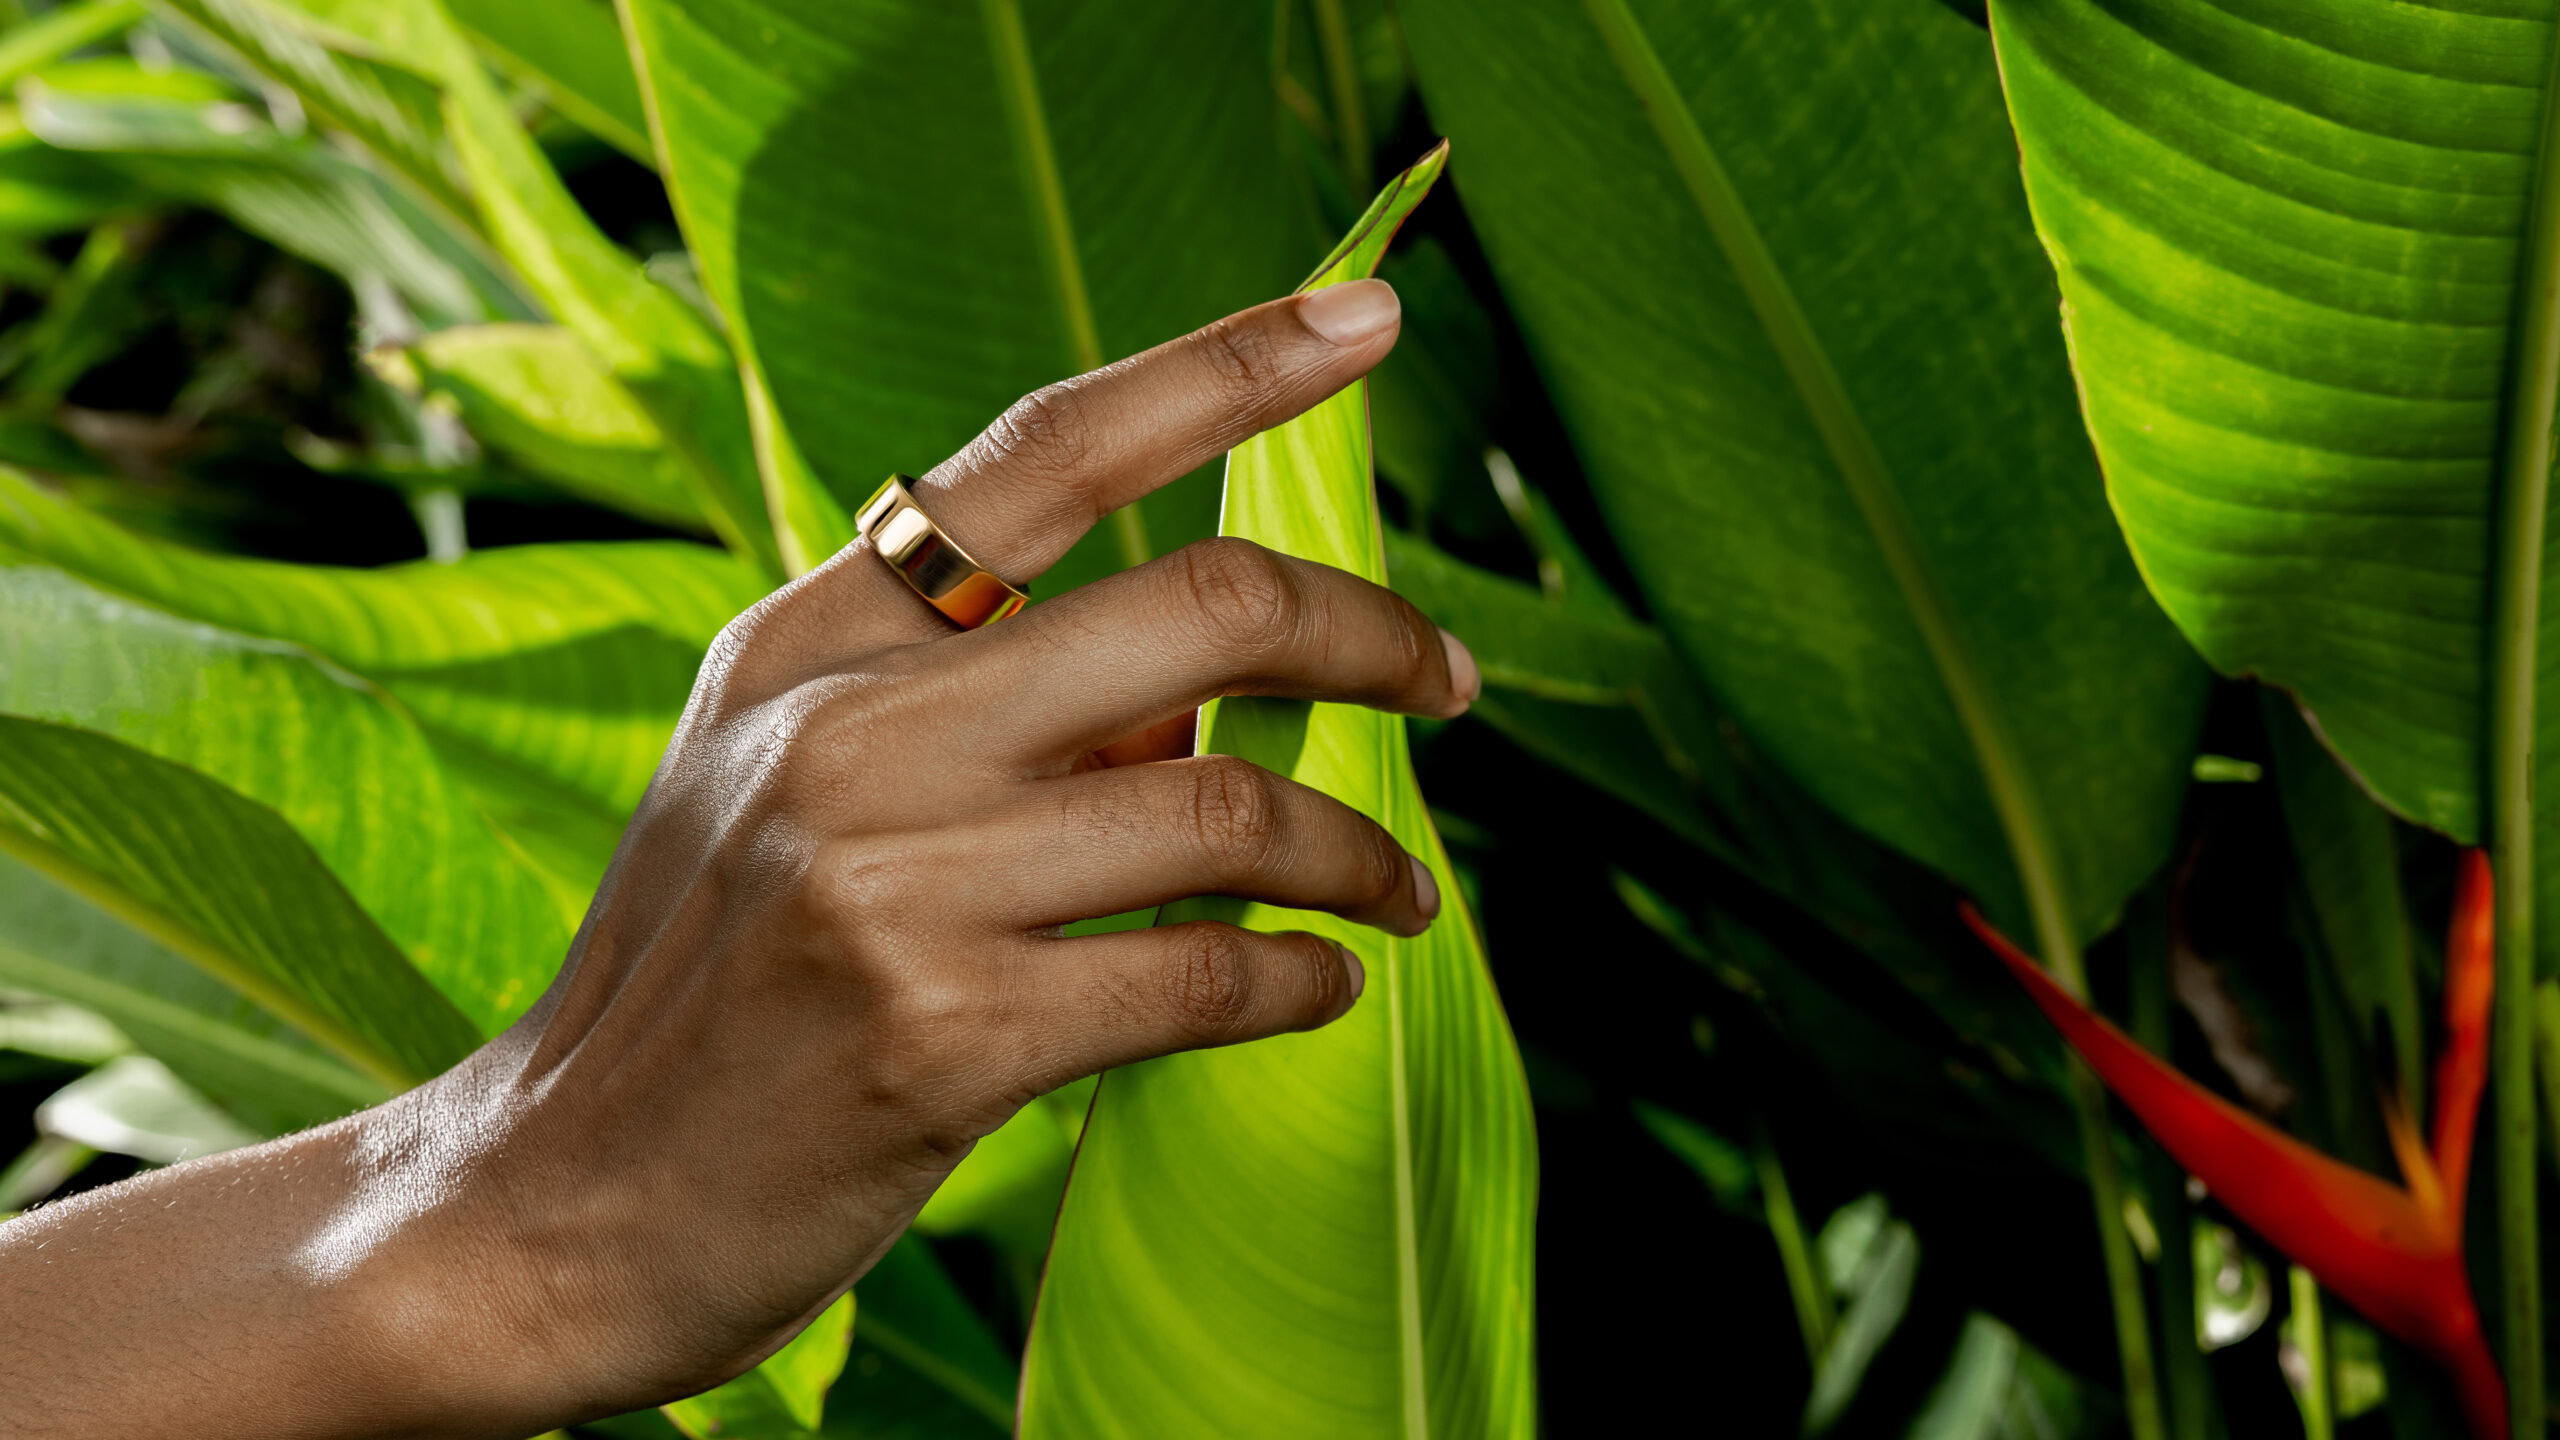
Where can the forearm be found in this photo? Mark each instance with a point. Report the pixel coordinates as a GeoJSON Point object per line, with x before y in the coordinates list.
{"type": "Point", "coordinates": [301, 1288]}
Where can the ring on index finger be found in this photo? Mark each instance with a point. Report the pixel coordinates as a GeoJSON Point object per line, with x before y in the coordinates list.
{"type": "Point", "coordinates": [968, 594]}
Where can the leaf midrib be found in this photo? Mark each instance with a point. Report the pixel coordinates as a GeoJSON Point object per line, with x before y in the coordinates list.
{"type": "Point", "coordinates": [209, 955]}
{"type": "Point", "coordinates": [1862, 469]}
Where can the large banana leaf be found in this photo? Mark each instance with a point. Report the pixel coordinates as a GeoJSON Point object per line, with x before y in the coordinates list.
{"type": "Point", "coordinates": [341, 762]}
{"type": "Point", "coordinates": [2288, 241]}
{"type": "Point", "coordinates": [1327, 1233]}
{"type": "Point", "coordinates": [1775, 267]}
{"type": "Point", "coordinates": [549, 677]}
{"type": "Point", "coordinates": [914, 211]}
{"type": "Point", "coordinates": [254, 1065]}
{"type": "Point", "coordinates": [227, 884]}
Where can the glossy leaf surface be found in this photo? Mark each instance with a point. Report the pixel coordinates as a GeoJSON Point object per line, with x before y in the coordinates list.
{"type": "Point", "coordinates": [2287, 238]}
{"type": "Point", "coordinates": [345, 767]}
{"type": "Point", "coordinates": [548, 677]}
{"type": "Point", "coordinates": [913, 212]}
{"type": "Point", "coordinates": [1732, 346]}
{"type": "Point", "coordinates": [537, 395]}
{"type": "Point", "coordinates": [242, 1057]}
{"type": "Point", "coordinates": [1326, 1233]}
{"type": "Point", "coordinates": [226, 883]}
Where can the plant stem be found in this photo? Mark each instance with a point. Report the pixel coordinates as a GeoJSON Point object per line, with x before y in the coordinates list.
{"type": "Point", "coordinates": [2524, 487]}
{"type": "Point", "coordinates": [2185, 1382]}
{"type": "Point", "coordinates": [1862, 468]}
{"type": "Point", "coordinates": [2311, 1341]}
{"type": "Point", "coordinates": [1805, 1283]}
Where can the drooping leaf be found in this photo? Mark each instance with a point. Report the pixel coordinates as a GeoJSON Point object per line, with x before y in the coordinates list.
{"type": "Point", "coordinates": [1581, 684]}
{"type": "Point", "coordinates": [133, 1105]}
{"type": "Point", "coordinates": [1325, 1233]}
{"type": "Point", "coordinates": [384, 104]}
{"type": "Point", "coordinates": [1871, 1261]}
{"type": "Point", "coordinates": [573, 50]}
{"type": "Point", "coordinates": [913, 212]}
{"type": "Point", "coordinates": [343, 765]}
{"type": "Point", "coordinates": [537, 395]}
{"type": "Point", "coordinates": [2288, 241]}
{"type": "Point", "coordinates": [549, 677]}
{"type": "Point", "coordinates": [781, 1399]}
{"type": "Point", "coordinates": [242, 1057]}
{"type": "Point", "coordinates": [294, 192]}
{"type": "Point", "coordinates": [664, 354]}
{"type": "Point", "coordinates": [1830, 423]}
{"type": "Point", "coordinates": [225, 882]}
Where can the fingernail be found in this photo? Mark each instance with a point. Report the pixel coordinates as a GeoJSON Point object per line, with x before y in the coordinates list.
{"type": "Point", "coordinates": [1349, 313]}
{"type": "Point", "coordinates": [1359, 972]}
{"type": "Point", "coordinates": [1463, 675]}
{"type": "Point", "coordinates": [1426, 891]}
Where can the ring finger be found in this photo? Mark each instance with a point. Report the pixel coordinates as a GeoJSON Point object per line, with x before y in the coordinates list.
{"type": "Point", "coordinates": [1123, 839]}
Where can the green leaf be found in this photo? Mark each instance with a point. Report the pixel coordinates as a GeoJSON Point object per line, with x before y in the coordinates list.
{"type": "Point", "coordinates": [133, 1105]}
{"type": "Point", "coordinates": [343, 764]}
{"type": "Point", "coordinates": [242, 1057]}
{"type": "Point", "coordinates": [1722, 1166]}
{"type": "Point", "coordinates": [536, 395]}
{"type": "Point", "coordinates": [380, 101]}
{"type": "Point", "coordinates": [294, 192]}
{"type": "Point", "coordinates": [225, 882]}
{"type": "Point", "coordinates": [34, 44]}
{"type": "Point", "coordinates": [1369, 1186]}
{"type": "Point", "coordinates": [782, 1398]}
{"type": "Point", "coordinates": [1830, 423]}
{"type": "Point", "coordinates": [573, 51]}
{"type": "Point", "coordinates": [667, 356]}
{"type": "Point", "coordinates": [924, 1366]}
{"type": "Point", "coordinates": [1037, 186]}
{"type": "Point", "coordinates": [548, 677]}
{"type": "Point", "coordinates": [2288, 241]}
{"type": "Point", "coordinates": [1872, 1263]}
{"type": "Point", "coordinates": [1582, 685]}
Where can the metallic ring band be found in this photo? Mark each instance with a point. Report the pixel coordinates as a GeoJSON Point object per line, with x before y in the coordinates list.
{"type": "Point", "coordinates": [965, 592]}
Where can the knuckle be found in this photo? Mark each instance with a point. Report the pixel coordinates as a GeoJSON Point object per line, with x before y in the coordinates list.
{"type": "Point", "coordinates": [1383, 866]}
{"type": "Point", "coordinates": [1328, 986]}
{"type": "Point", "coordinates": [1235, 811]}
{"type": "Point", "coordinates": [1211, 982]}
{"type": "Point", "coordinates": [1242, 357]}
{"type": "Point", "coordinates": [1244, 591]}
{"type": "Point", "coordinates": [1050, 429]}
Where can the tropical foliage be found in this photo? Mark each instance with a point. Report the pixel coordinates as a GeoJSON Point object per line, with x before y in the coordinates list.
{"type": "Point", "coordinates": [2140, 546]}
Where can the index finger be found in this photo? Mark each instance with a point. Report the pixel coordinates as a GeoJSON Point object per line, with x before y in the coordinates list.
{"type": "Point", "coordinates": [1066, 455]}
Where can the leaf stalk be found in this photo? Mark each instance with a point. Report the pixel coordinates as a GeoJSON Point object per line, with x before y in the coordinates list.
{"type": "Point", "coordinates": [2524, 489]}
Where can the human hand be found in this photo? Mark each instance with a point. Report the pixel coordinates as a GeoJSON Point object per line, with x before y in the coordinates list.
{"type": "Point", "coordinates": [826, 959]}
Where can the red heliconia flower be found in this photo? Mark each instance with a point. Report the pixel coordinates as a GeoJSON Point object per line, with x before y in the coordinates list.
{"type": "Point", "coordinates": [2394, 1254]}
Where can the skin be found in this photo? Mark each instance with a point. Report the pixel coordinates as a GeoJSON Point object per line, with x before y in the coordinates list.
{"type": "Point", "coordinates": [825, 961]}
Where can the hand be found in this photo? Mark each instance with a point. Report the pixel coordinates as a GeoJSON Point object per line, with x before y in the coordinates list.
{"type": "Point", "coordinates": [827, 959]}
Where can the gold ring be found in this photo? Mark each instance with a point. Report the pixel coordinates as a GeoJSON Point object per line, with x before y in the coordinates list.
{"type": "Point", "coordinates": [967, 593]}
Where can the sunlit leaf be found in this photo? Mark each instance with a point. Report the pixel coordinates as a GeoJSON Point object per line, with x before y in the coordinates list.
{"type": "Point", "coordinates": [226, 883]}
{"type": "Point", "coordinates": [914, 211]}
{"type": "Point", "coordinates": [1326, 1233]}
{"type": "Point", "coordinates": [536, 394]}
